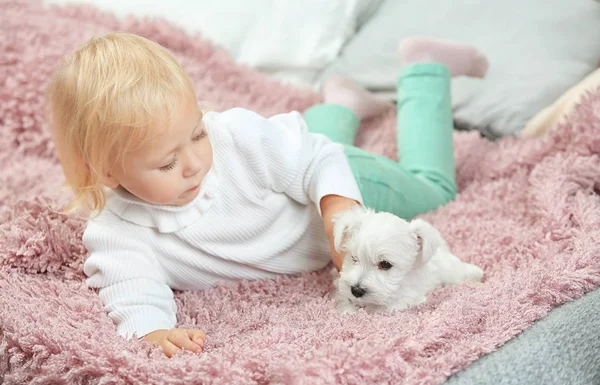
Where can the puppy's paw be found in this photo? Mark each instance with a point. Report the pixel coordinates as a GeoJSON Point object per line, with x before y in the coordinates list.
{"type": "Point", "coordinates": [473, 273]}
{"type": "Point", "coordinates": [346, 307]}
{"type": "Point", "coordinates": [335, 276]}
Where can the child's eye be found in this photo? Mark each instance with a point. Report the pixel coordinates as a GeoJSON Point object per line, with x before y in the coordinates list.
{"type": "Point", "coordinates": [169, 166]}
{"type": "Point", "coordinates": [199, 137]}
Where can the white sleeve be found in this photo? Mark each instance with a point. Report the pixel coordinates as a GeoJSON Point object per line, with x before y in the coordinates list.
{"type": "Point", "coordinates": [289, 159]}
{"type": "Point", "coordinates": [131, 284]}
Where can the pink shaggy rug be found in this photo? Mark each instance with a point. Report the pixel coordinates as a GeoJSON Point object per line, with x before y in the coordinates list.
{"type": "Point", "coordinates": [528, 212]}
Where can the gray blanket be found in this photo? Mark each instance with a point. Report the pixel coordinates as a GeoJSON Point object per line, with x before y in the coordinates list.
{"type": "Point", "coordinates": [561, 349]}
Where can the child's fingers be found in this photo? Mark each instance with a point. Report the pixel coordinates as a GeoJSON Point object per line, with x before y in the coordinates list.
{"type": "Point", "coordinates": [182, 340]}
{"type": "Point", "coordinates": [168, 348]}
{"type": "Point", "coordinates": [197, 336]}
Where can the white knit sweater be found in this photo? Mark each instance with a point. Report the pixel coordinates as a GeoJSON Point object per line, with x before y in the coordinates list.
{"type": "Point", "coordinates": [256, 216]}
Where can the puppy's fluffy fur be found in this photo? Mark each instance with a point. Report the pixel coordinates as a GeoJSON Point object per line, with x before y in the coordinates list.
{"type": "Point", "coordinates": [390, 263]}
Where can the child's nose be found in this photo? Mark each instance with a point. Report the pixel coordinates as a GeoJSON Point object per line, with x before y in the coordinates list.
{"type": "Point", "coordinates": [193, 164]}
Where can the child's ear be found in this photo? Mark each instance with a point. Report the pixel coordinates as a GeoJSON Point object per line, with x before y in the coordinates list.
{"type": "Point", "coordinates": [345, 225]}
{"type": "Point", "coordinates": [111, 181]}
{"type": "Point", "coordinates": [429, 240]}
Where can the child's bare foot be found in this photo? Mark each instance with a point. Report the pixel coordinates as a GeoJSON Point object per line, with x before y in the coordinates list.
{"type": "Point", "coordinates": [461, 59]}
{"type": "Point", "coordinates": [342, 91]}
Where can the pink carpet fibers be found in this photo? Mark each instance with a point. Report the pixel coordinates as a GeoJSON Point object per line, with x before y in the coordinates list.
{"type": "Point", "coordinates": [528, 213]}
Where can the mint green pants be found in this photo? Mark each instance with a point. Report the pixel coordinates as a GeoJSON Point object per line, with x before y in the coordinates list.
{"type": "Point", "coordinates": [423, 178]}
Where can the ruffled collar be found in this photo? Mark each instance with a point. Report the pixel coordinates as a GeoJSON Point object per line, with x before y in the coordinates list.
{"type": "Point", "coordinates": [165, 218]}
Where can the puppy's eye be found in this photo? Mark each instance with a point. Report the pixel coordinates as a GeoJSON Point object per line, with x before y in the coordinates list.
{"type": "Point", "coordinates": [354, 259]}
{"type": "Point", "coordinates": [384, 265]}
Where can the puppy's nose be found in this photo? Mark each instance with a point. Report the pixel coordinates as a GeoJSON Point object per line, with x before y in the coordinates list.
{"type": "Point", "coordinates": [357, 291]}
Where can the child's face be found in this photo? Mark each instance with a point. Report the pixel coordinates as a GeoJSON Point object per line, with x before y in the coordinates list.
{"type": "Point", "coordinates": [168, 169]}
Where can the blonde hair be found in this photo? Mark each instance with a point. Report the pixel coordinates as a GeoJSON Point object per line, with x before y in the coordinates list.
{"type": "Point", "coordinates": [104, 101]}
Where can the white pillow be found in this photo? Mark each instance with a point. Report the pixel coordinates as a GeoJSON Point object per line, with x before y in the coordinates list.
{"type": "Point", "coordinates": [225, 22]}
{"type": "Point", "coordinates": [291, 40]}
{"type": "Point", "coordinates": [538, 49]}
{"type": "Point", "coordinates": [296, 40]}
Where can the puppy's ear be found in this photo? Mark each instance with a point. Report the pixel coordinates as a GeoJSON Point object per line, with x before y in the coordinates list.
{"type": "Point", "coordinates": [345, 225]}
{"type": "Point", "coordinates": [429, 240]}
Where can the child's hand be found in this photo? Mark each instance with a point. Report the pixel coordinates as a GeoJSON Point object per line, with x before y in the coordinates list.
{"type": "Point", "coordinates": [171, 341]}
{"type": "Point", "coordinates": [331, 205]}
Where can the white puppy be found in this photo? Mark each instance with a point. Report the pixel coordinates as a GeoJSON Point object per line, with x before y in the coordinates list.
{"type": "Point", "coordinates": [390, 263]}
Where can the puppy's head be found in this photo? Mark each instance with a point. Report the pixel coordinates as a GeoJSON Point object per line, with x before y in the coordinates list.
{"type": "Point", "coordinates": [380, 249]}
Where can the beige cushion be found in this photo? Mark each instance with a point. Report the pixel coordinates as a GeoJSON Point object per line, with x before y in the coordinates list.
{"type": "Point", "coordinates": [552, 115]}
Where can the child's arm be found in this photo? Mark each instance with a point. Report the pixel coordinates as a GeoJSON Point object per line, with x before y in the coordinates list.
{"type": "Point", "coordinates": [308, 167]}
{"type": "Point", "coordinates": [132, 286]}
{"type": "Point", "coordinates": [315, 167]}
{"type": "Point", "coordinates": [286, 158]}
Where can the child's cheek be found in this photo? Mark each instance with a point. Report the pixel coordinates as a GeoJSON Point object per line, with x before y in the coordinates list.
{"type": "Point", "coordinates": [164, 192]}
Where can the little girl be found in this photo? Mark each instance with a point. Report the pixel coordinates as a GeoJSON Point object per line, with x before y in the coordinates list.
{"type": "Point", "coordinates": [185, 200]}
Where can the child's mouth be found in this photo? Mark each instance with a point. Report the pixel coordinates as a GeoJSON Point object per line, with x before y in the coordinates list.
{"type": "Point", "coordinates": [193, 189]}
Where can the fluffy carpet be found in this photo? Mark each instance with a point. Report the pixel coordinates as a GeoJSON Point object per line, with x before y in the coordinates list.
{"type": "Point", "coordinates": [528, 212]}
